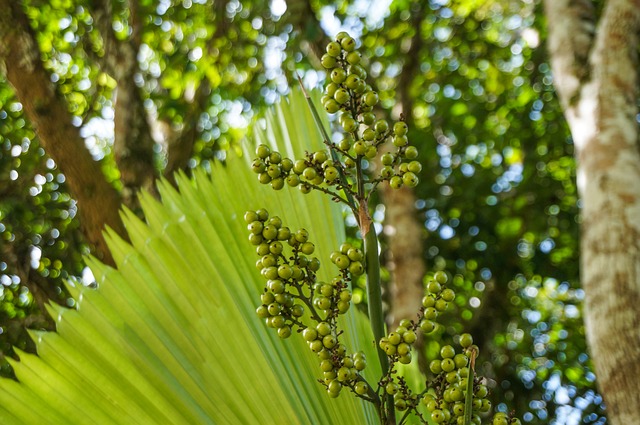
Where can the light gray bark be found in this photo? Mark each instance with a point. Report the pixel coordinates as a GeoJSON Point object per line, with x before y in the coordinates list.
{"type": "Point", "coordinates": [595, 71]}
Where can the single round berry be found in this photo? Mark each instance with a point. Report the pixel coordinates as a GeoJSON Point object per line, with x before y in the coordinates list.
{"type": "Point", "coordinates": [400, 128]}
{"type": "Point", "coordinates": [411, 152]}
{"type": "Point", "coordinates": [447, 352]}
{"type": "Point", "coordinates": [328, 61]}
{"type": "Point", "coordinates": [353, 58]}
{"type": "Point", "coordinates": [466, 340]}
{"type": "Point", "coordinates": [395, 182]}
{"type": "Point", "coordinates": [361, 388]}
{"type": "Point", "coordinates": [441, 277]}
{"type": "Point", "coordinates": [448, 294]}
{"type": "Point", "coordinates": [348, 44]}
{"type": "Point", "coordinates": [263, 151]}
{"type": "Point", "coordinates": [371, 98]}
{"type": "Point", "coordinates": [334, 49]}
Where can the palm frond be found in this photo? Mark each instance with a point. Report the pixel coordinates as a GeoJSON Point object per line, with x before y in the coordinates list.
{"type": "Point", "coordinates": [171, 336]}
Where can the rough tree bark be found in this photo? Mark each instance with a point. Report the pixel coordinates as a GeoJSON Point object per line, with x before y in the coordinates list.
{"type": "Point", "coordinates": [595, 68]}
{"type": "Point", "coordinates": [98, 202]}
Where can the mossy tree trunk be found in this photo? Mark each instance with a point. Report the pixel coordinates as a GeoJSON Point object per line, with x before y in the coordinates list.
{"type": "Point", "coordinates": [595, 69]}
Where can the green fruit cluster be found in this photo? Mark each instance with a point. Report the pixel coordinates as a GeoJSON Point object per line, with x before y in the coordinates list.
{"type": "Point", "coordinates": [348, 259]}
{"type": "Point", "coordinates": [397, 345]}
{"type": "Point", "coordinates": [292, 291]}
{"type": "Point", "coordinates": [447, 403]}
{"type": "Point", "coordinates": [284, 295]}
{"type": "Point", "coordinates": [435, 301]}
{"type": "Point", "coordinates": [314, 170]}
{"type": "Point", "coordinates": [348, 93]}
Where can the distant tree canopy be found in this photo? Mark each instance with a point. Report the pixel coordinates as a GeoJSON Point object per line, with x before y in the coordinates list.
{"type": "Point", "coordinates": [152, 88]}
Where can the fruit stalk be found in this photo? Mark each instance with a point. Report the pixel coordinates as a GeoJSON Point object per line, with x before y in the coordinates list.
{"type": "Point", "coordinates": [374, 304]}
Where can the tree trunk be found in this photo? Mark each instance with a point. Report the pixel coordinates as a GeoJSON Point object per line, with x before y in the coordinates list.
{"type": "Point", "coordinates": [596, 75]}
{"type": "Point", "coordinates": [98, 202]}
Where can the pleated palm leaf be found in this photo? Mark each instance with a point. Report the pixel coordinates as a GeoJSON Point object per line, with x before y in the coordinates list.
{"type": "Point", "coordinates": [171, 335]}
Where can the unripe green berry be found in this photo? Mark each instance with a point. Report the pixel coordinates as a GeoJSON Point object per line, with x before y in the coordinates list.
{"type": "Point", "coordinates": [349, 124]}
{"type": "Point", "coordinates": [400, 141]}
{"type": "Point", "coordinates": [411, 152]}
{"type": "Point", "coordinates": [371, 98]}
{"type": "Point", "coordinates": [403, 349]}
{"type": "Point", "coordinates": [258, 166]}
{"type": "Point", "coordinates": [368, 118]}
{"type": "Point", "coordinates": [277, 184]}
{"type": "Point", "coordinates": [334, 49]}
{"type": "Point", "coordinates": [263, 151]}
{"type": "Point", "coordinates": [250, 217]}
{"type": "Point", "coordinates": [330, 90]}
{"type": "Point", "coordinates": [348, 44]}
{"type": "Point", "coordinates": [329, 341]}
{"type": "Point", "coordinates": [448, 294]}
{"type": "Point", "coordinates": [441, 305]}
{"type": "Point", "coordinates": [284, 271]}
{"type": "Point", "coordinates": [307, 248]}
{"type": "Point", "coordinates": [342, 261]}
{"type": "Point", "coordinates": [447, 352]}
{"type": "Point", "coordinates": [355, 254]}
{"type": "Point", "coordinates": [310, 334]}
{"type": "Point", "coordinates": [284, 332]}
{"type": "Point", "coordinates": [368, 135]}
{"type": "Point", "coordinates": [404, 359]}
{"type": "Point", "coordinates": [344, 144]}
{"type": "Point", "coordinates": [460, 360]}
{"type": "Point", "coordinates": [386, 172]}
{"type": "Point", "coordinates": [400, 128]}
{"type": "Point", "coordinates": [434, 287]}
{"type": "Point", "coordinates": [331, 106]}
{"type": "Point", "coordinates": [415, 167]}
{"type": "Point", "coordinates": [314, 264]}
{"type": "Point", "coordinates": [361, 388]}
{"type": "Point", "coordinates": [262, 312]}
{"type": "Point", "coordinates": [264, 178]}
{"type": "Point", "coordinates": [356, 268]}
{"type": "Point", "coordinates": [353, 58]}
{"type": "Point", "coordinates": [310, 173]}
{"type": "Point", "coordinates": [427, 326]}
{"type": "Point", "coordinates": [328, 61]}
{"type": "Point", "coordinates": [338, 76]}
{"type": "Point", "coordinates": [341, 96]}
{"type": "Point", "coordinates": [323, 329]}
{"type": "Point", "coordinates": [386, 159]}
{"type": "Point", "coordinates": [284, 234]}
{"type": "Point", "coordinates": [441, 277]}
{"type": "Point", "coordinates": [267, 298]}
{"type": "Point", "coordinates": [297, 310]}
{"type": "Point", "coordinates": [360, 147]}
{"type": "Point", "coordinates": [352, 81]}
{"type": "Point", "coordinates": [482, 391]}
{"type": "Point", "coordinates": [371, 152]}
{"type": "Point", "coordinates": [448, 365]}
{"type": "Point", "coordinates": [437, 416]}
{"type": "Point", "coordinates": [466, 340]}
{"type": "Point", "coordinates": [409, 337]}
{"type": "Point", "coordinates": [381, 126]}
{"type": "Point", "coordinates": [394, 338]}
{"type": "Point", "coordinates": [395, 182]}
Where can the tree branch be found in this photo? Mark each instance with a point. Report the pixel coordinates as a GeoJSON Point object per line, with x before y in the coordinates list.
{"type": "Point", "coordinates": [133, 143]}
{"type": "Point", "coordinates": [98, 202]}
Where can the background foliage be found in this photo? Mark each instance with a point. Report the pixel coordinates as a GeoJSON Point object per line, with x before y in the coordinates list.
{"type": "Point", "coordinates": [497, 194]}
